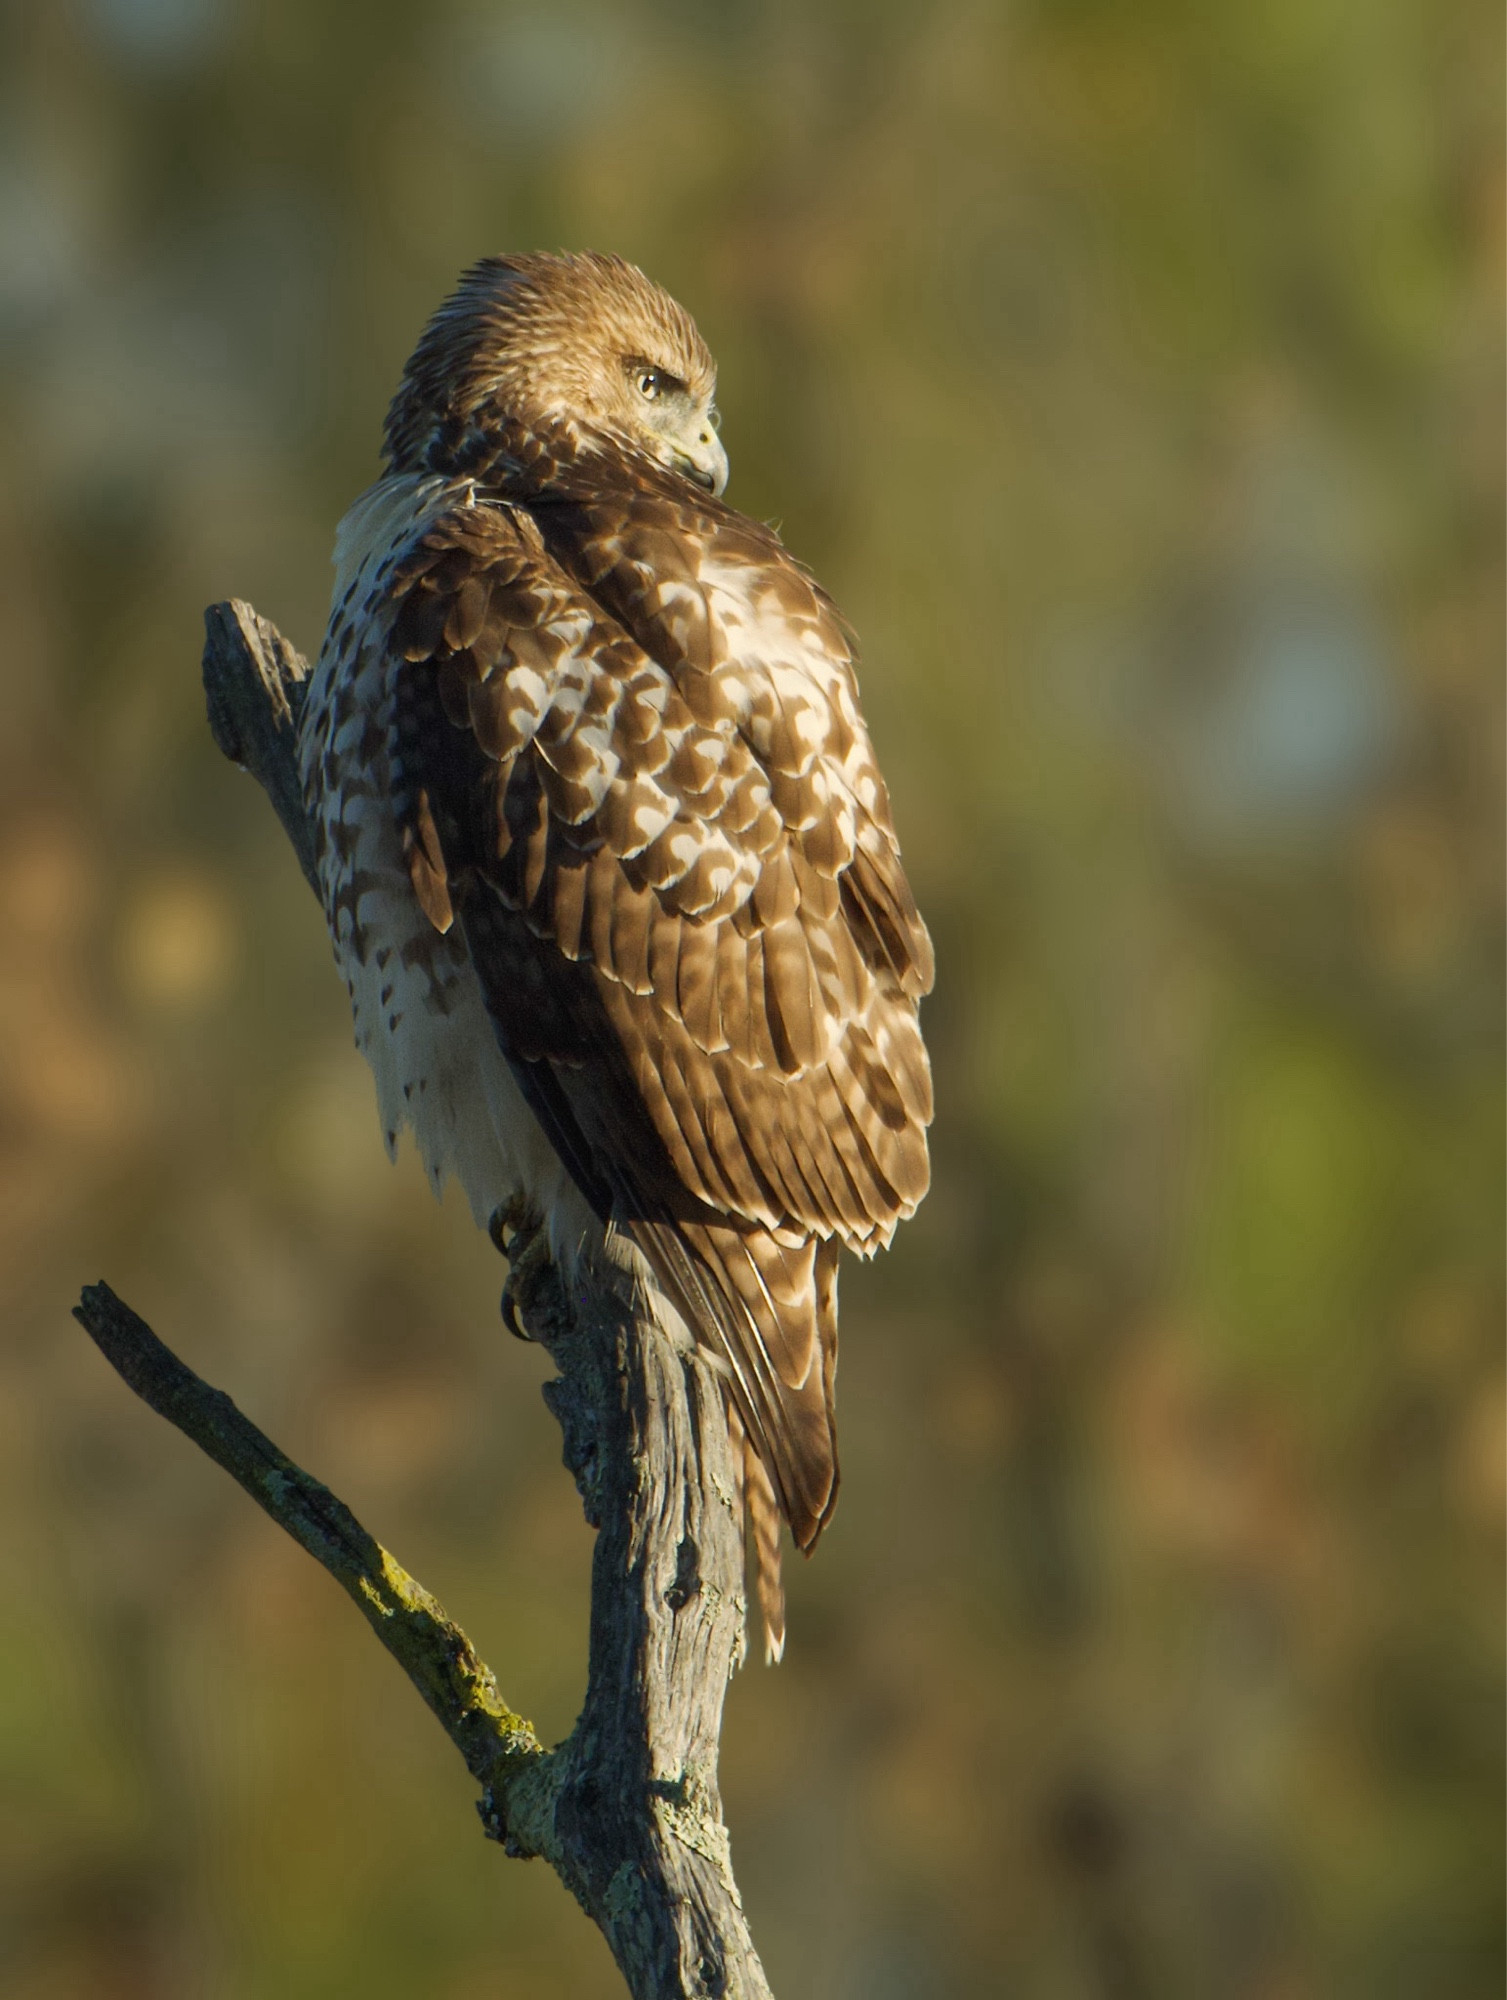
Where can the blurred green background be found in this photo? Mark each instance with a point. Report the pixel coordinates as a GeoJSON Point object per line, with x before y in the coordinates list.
{"type": "Point", "coordinates": [1133, 377]}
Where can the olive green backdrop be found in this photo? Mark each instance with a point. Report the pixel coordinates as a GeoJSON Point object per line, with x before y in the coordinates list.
{"type": "Point", "coordinates": [1133, 377]}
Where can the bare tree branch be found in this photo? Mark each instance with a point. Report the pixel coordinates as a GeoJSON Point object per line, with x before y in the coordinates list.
{"type": "Point", "coordinates": [435, 1654]}
{"type": "Point", "coordinates": [627, 1809]}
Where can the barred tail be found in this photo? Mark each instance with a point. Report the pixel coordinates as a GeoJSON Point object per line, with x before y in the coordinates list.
{"type": "Point", "coordinates": [766, 1306]}
{"type": "Point", "coordinates": [760, 1510]}
{"type": "Point", "coordinates": [762, 1514]}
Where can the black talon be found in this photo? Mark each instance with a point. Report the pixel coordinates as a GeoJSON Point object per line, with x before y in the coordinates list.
{"type": "Point", "coordinates": [509, 1221]}
{"type": "Point", "coordinates": [509, 1309]}
{"type": "Point", "coordinates": [519, 1233]}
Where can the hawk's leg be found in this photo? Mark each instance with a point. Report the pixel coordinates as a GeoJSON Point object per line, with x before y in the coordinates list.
{"type": "Point", "coordinates": [520, 1234]}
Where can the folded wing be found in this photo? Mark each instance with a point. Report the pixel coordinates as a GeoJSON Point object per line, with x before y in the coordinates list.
{"type": "Point", "coordinates": [631, 766]}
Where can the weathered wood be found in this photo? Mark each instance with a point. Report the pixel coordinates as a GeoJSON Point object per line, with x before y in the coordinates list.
{"type": "Point", "coordinates": [637, 1815]}
{"type": "Point", "coordinates": [254, 687]}
{"type": "Point", "coordinates": [627, 1809]}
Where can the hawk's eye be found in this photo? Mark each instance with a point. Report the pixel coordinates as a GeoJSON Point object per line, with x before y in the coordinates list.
{"type": "Point", "coordinates": [650, 384]}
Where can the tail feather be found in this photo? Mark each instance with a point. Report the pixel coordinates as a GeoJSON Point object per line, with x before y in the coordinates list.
{"type": "Point", "coordinates": [781, 1334]}
{"type": "Point", "coordinates": [761, 1511]}
{"type": "Point", "coordinates": [767, 1306]}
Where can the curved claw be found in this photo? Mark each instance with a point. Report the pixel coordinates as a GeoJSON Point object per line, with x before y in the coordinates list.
{"type": "Point", "coordinates": [519, 1233]}
{"type": "Point", "coordinates": [510, 1220]}
{"type": "Point", "coordinates": [509, 1309]}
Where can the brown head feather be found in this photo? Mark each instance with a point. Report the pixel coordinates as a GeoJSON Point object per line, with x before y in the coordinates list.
{"type": "Point", "coordinates": [546, 344]}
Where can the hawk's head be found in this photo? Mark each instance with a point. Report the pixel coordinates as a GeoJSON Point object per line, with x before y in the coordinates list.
{"type": "Point", "coordinates": [583, 345]}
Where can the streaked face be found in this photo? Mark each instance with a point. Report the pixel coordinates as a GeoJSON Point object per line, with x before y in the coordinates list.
{"type": "Point", "coordinates": [670, 420]}
{"type": "Point", "coordinates": [613, 353]}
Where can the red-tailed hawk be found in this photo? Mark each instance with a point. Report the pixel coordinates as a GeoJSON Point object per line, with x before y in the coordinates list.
{"type": "Point", "coordinates": [607, 860]}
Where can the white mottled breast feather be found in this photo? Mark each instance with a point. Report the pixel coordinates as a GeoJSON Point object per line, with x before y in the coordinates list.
{"type": "Point", "coordinates": [420, 1020]}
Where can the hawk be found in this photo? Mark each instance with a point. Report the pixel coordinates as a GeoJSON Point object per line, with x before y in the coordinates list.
{"type": "Point", "coordinates": [607, 861]}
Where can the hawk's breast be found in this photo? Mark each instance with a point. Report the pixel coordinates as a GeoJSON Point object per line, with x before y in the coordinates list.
{"type": "Point", "coordinates": [420, 1019]}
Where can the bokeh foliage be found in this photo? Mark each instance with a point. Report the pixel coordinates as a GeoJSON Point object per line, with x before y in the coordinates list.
{"type": "Point", "coordinates": [1133, 377]}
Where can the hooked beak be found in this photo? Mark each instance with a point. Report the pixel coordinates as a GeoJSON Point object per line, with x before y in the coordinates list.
{"type": "Point", "coordinates": [705, 462]}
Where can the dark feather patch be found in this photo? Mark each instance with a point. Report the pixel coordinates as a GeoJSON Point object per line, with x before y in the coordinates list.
{"type": "Point", "coordinates": [700, 954]}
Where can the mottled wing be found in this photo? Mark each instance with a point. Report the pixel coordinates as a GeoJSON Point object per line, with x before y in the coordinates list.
{"type": "Point", "coordinates": [632, 765]}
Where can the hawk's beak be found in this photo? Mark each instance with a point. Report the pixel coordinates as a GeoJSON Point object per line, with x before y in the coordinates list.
{"type": "Point", "coordinates": [705, 461]}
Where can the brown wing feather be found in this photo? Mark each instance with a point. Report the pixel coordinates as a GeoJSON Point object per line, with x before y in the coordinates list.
{"type": "Point", "coordinates": [630, 725]}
